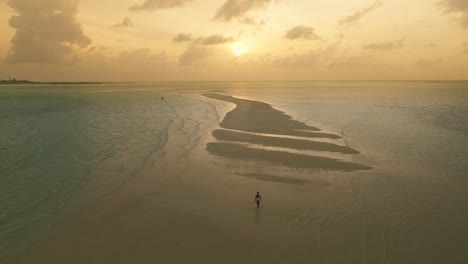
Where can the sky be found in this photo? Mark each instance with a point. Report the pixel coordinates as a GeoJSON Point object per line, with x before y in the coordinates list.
{"type": "Point", "coordinates": [233, 40]}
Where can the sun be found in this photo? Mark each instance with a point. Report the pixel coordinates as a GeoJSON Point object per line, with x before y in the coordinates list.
{"type": "Point", "coordinates": [237, 49]}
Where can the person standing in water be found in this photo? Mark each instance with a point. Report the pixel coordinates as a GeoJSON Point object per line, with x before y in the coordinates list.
{"type": "Point", "coordinates": [258, 198]}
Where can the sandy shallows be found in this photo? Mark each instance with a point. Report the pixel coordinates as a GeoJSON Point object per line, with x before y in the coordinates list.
{"type": "Point", "coordinates": [293, 160]}
{"type": "Point", "coordinates": [281, 142]}
{"type": "Point", "coordinates": [257, 117]}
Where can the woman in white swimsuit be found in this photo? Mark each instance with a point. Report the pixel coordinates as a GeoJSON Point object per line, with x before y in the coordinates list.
{"type": "Point", "coordinates": [258, 198]}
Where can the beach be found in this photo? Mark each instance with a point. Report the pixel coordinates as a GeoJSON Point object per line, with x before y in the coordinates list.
{"type": "Point", "coordinates": [145, 180]}
{"type": "Point", "coordinates": [251, 116]}
{"type": "Point", "coordinates": [135, 223]}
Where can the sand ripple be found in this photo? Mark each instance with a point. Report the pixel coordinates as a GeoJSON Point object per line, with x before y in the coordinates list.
{"type": "Point", "coordinates": [260, 118]}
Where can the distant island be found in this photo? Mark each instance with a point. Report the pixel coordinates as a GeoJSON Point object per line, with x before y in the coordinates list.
{"type": "Point", "coordinates": [15, 81]}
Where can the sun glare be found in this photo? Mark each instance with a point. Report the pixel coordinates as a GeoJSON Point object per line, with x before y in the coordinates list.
{"type": "Point", "coordinates": [237, 50]}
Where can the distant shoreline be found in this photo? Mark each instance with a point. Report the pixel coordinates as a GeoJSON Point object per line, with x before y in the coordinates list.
{"type": "Point", "coordinates": [8, 82]}
{"type": "Point", "coordinates": [31, 82]}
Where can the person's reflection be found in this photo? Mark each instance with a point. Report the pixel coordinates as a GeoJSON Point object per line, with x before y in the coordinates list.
{"type": "Point", "coordinates": [258, 217]}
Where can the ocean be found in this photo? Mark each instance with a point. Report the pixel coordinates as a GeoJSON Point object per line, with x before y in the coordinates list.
{"type": "Point", "coordinates": [70, 152]}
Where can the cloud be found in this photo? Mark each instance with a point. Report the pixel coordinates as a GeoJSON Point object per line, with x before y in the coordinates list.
{"type": "Point", "coordinates": [356, 17]}
{"type": "Point", "coordinates": [96, 49]}
{"type": "Point", "coordinates": [46, 31]}
{"type": "Point", "coordinates": [301, 32]}
{"type": "Point", "coordinates": [129, 58]}
{"type": "Point", "coordinates": [256, 24]}
{"type": "Point", "coordinates": [465, 47]}
{"type": "Point", "coordinates": [210, 40]}
{"type": "Point", "coordinates": [142, 56]}
{"type": "Point", "coordinates": [237, 8]}
{"type": "Point", "coordinates": [455, 5]}
{"type": "Point", "coordinates": [127, 22]}
{"type": "Point", "coordinates": [99, 63]}
{"type": "Point", "coordinates": [214, 40]}
{"type": "Point", "coordinates": [330, 57]}
{"type": "Point", "coordinates": [309, 59]}
{"type": "Point", "coordinates": [389, 45]}
{"type": "Point", "coordinates": [181, 37]}
{"type": "Point", "coordinates": [248, 21]}
{"type": "Point", "coordinates": [193, 54]}
{"type": "Point", "coordinates": [149, 5]}
{"type": "Point", "coordinates": [429, 62]}
{"type": "Point", "coordinates": [459, 7]}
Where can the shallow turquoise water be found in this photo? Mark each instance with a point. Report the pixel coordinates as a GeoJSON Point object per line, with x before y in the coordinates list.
{"type": "Point", "coordinates": [60, 144]}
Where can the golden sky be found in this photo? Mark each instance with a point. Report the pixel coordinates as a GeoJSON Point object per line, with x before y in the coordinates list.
{"type": "Point", "coordinates": [171, 40]}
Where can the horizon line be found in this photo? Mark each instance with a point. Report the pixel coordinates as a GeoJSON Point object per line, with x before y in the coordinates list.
{"type": "Point", "coordinates": [239, 81]}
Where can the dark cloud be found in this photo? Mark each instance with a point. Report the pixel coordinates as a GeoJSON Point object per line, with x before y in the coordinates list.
{"type": "Point", "coordinates": [46, 31]}
{"type": "Point", "coordinates": [193, 54]}
{"type": "Point", "coordinates": [181, 37]}
{"type": "Point", "coordinates": [237, 8]}
{"type": "Point", "coordinates": [158, 4]}
{"type": "Point", "coordinates": [356, 17]}
{"type": "Point", "coordinates": [459, 7]}
{"type": "Point", "coordinates": [248, 21]}
{"type": "Point", "coordinates": [126, 22]}
{"type": "Point", "coordinates": [209, 40]}
{"type": "Point", "coordinates": [389, 45]}
{"type": "Point", "coordinates": [214, 40]}
{"type": "Point", "coordinates": [96, 49]}
{"type": "Point", "coordinates": [455, 5]}
{"type": "Point", "coordinates": [301, 32]}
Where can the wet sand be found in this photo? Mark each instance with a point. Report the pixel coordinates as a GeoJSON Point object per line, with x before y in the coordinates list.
{"type": "Point", "coordinates": [136, 230]}
{"type": "Point", "coordinates": [258, 117]}
{"type": "Point", "coordinates": [278, 179]}
{"type": "Point", "coordinates": [199, 212]}
{"type": "Point", "coordinates": [281, 142]}
{"type": "Point", "coordinates": [292, 160]}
